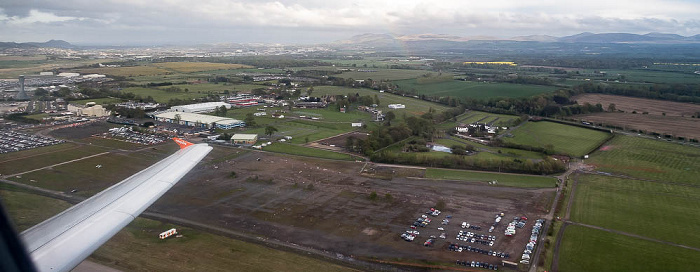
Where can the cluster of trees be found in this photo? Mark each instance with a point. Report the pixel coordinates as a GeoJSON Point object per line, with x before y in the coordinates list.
{"type": "Point", "coordinates": [546, 166]}
{"type": "Point", "coordinates": [674, 92]}
{"type": "Point", "coordinates": [221, 111]}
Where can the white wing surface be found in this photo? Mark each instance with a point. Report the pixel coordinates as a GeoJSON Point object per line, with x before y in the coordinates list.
{"type": "Point", "coordinates": [63, 241]}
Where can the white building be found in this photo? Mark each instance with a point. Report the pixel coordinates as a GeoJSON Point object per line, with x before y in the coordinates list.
{"type": "Point", "coordinates": [198, 120]}
{"type": "Point", "coordinates": [90, 109]}
{"type": "Point", "coordinates": [200, 107]}
{"type": "Point", "coordinates": [396, 106]}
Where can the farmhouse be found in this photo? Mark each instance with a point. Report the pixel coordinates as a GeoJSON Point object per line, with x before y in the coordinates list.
{"type": "Point", "coordinates": [200, 107]}
{"type": "Point", "coordinates": [244, 139]}
{"type": "Point", "coordinates": [198, 120]}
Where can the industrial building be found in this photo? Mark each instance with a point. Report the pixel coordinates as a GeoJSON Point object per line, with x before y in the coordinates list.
{"type": "Point", "coordinates": [200, 107]}
{"type": "Point", "coordinates": [198, 120]}
{"type": "Point", "coordinates": [244, 139]}
{"type": "Point", "coordinates": [90, 109]}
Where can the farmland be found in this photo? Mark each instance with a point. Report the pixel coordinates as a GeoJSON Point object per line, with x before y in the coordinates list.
{"type": "Point", "coordinates": [640, 105]}
{"type": "Point", "coordinates": [666, 210]}
{"type": "Point", "coordinates": [649, 159]}
{"type": "Point", "coordinates": [676, 126]}
{"type": "Point", "coordinates": [586, 249]}
{"type": "Point", "coordinates": [164, 68]}
{"type": "Point", "coordinates": [383, 74]}
{"type": "Point", "coordinates": [488, 118]}
{"type": "Point", "coordinates": [574, 141]}
{"type": "Point", "coordinates": [468, 89]}
{"type": "Point", "coordinates": [413, 106]}
{"type": "Point", "coordinates": [162, 96]}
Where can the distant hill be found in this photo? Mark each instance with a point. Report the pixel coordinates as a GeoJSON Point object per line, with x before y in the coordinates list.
{"type": "Point", "coordinates": [49, 44]}
{"type": "Point", "coordinates": [386, 40]}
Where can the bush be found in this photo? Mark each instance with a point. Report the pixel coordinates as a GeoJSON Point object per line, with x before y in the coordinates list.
{"type": "Point", "coordinates": [373, 196]}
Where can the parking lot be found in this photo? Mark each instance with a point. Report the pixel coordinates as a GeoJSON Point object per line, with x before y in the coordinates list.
{"type": "Point", "coordinates": [473, 243]}
{"type": "Point", "coordinates": [11, 141]}
{"type": "Point", "coordinates": [127, 134]}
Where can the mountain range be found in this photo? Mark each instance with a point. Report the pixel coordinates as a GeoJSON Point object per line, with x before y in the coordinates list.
{"type": "Point", "coordinates": [586, 37]}
{"type": "Point", "coordinates": [50, 44]}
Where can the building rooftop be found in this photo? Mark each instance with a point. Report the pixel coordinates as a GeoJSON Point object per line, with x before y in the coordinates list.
{"type": "Point", "coordinates": [240, 136]}
{"type": "Point", "coordinates": [196, 117]}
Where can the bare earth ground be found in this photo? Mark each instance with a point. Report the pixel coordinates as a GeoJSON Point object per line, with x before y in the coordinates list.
{"type": "Point", "coordinates": [673, 125]}
{"type": "Point", "coordinates": [629, 104]}
{"type": "Point", "coordinates": [678, 120]}
{"type": "Point", "coordinates": [325, 205]}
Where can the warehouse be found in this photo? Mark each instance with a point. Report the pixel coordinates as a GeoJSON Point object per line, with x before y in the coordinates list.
{"type": "Point", "coordinates": [244, 139]}
{"type": "Point", "coordinates": [200, 107]}
{"type": "Point", "coordinates": [199, 120]}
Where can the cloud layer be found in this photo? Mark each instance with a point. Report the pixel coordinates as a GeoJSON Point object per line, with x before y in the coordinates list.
{"type": "Point", "coordinates": [311, 21]}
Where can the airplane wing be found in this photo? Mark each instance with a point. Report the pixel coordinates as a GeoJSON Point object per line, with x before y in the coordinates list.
{"type": "Point", "coordinates": [63, 241]}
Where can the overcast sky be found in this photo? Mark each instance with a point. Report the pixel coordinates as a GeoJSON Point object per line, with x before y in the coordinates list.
{"type": "Point", "coordinates": [157, 22]}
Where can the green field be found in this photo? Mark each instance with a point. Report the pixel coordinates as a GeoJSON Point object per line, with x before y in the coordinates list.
{"type": "Point", "coordinates": [137, 247]}
{"type": "Point", "coordinates": [473, 116]}
{"type": "Point", "coordinates": [570, 140]}
{"type": "Point", "coordinates": [217, 88]}
{"type": "Point", "coordinates": [382, 74]}
{"type": "Point", "coordinates": [161, 96]}
{"type": "Point", "coordinates": [413, 106]}
{"type": "Point", "coordinates": [586, 249]}
{"type": "Point", "coordinates": [469, 89]}
{"type": "Point", "coordinates": [85, 177]}
{"type": "Point", "coordinates": [503, 179]}
{"type": "Point", "coordinates": [649, 159]}
{"type": "Point", "coordinates": [307, 151]}
{"type": "Point", "coordinates": [656, 210]}
{"type": "Point", "coordinates": [31, 159]}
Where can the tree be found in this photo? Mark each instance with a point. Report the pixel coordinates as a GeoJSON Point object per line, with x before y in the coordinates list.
{"type": "Point", "coordinates": [389, 116]}
{"type": "Point", "coordinates": [249, 120]}
{"type": "Point", "coordinates": [310, 91]}
{"type": "Point", "coordinates": [611, 107]}
{"type": "Point", "coordinates": [40, 92]}
{"type": "Point", "coordinates": [269, 130]}
{"type": "Point", "coordinates": [178, 118]}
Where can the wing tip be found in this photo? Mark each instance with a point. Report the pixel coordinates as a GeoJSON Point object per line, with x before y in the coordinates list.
{"type": "Point", "coordinates": [182, 143]}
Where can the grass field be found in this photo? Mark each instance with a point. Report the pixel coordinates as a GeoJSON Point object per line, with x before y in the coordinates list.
{"type": "Point", "coordinates": [85, 177]}
{"type": "Point", "coordinates": [570, 140]}
{"type": "Point", "coordinates": [649, 159]}
{"type": "Point", "coordinates": [31, 159]}
{"type": "Point", "coordinates": [307, 151]}
{"type": "Point", "coordinates": [211, 87]}
{"type": "Point", "coordinates": [189, 67]}
{"type": "Point", "coordinates": [137, 247]}
{"type": "Point", "coordinates": [586, 249]}
{"type": "Point", "coordinates": [656, 210]}
{"type": "Point", "coordinates": [483, 117]}
{"type": "Point", "coordinates": [163, 68]}
{"type": "Point", "coordinates": [26, 209]}
{"type": "Point", "coordinates": [162, 96]}
{"type": "Point", "coordinates": [503, 179]}
{"type": "Point", "coordinates": [413, 106]}
{"type": "Point", "coordinates": [468, 89]}
{"type": "Point", "coordinates": [383, 74]}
